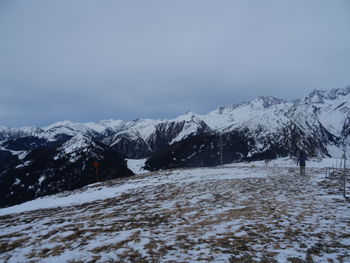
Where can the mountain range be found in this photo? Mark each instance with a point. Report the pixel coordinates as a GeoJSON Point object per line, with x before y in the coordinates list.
{"type": "Point", "coordinates": [37, 161]}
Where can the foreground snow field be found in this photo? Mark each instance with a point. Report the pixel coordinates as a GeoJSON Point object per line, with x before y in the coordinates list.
{"type": "Point", "coordinates": [236, 213]}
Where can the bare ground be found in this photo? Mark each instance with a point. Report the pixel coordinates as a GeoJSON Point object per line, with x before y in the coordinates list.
{"type": "Point", "coordinates": [282, 217]}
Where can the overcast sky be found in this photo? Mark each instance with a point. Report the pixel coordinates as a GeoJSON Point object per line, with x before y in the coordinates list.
{"type": "Point", "coordinates": [121, 59]}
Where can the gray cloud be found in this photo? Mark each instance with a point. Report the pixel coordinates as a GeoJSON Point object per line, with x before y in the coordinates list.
{"type": "Point", "coordinates": [92, 60]}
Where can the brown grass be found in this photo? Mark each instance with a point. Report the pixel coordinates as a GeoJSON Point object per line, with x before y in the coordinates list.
{"type": "Point", "coordinates": [6, 246]}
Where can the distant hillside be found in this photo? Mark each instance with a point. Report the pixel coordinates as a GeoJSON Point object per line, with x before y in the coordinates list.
{"type": "Point", "coordinates": [58, 167]}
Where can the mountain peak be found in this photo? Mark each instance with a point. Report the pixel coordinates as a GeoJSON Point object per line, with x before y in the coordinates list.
{"type": "Point", "coordinates": [339, 92]}
{"type": "Point", "coordinates": [265, 102]}
{"type": "Point", "coordinates": [222, 109]}
{"type": "Point", "coordinates": [188, 116]}
{"type": "Point", "coordinates": [318, 96]}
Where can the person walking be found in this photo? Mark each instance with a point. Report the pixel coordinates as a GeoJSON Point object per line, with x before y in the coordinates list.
{"type": "Point", "coordinates": [302, 162]}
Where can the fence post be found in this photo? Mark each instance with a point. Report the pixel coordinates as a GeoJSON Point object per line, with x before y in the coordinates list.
{"type": "Point", "coordinates": [344, 174]}
{"type": "Point", "coordinates": [221, 148]}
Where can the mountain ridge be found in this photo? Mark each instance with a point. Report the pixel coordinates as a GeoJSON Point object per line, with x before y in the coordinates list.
{"type": "Point", "coordinates": [108, 123]}
{"type": "Point", "coordinates": [264, 128]}
{"type": "Point", "coordinates": [150, 136]}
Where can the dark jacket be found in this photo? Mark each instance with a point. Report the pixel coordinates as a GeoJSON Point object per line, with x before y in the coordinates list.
{"type": "Point", "coordinates": [301, 160]}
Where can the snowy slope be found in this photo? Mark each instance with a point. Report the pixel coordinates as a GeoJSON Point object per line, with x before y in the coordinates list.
{"type": "Point", "coordinates": [244, 213]}
{"type": "Point", "coordinates": [332, 113]}
{"type": "Point", "coordinates": [260, 111]}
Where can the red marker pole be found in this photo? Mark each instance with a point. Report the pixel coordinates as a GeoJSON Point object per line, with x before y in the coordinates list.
{"type": "Point", "coordinates": [96, 164]}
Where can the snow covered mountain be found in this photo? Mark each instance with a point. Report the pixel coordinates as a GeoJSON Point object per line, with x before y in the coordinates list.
{"type": "Point", "coordinates": [263, 128]}
{"type": "Point", "coordinates": [323, 115]}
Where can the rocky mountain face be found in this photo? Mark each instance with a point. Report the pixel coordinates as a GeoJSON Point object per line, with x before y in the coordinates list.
{"type": "Point", "coordinates": [265, 128]}
{"type": "Point", "coordinates": [141, 138]}
{"type": "Point", "coordinates": [52, 167]}
{"type": "Point", "coordinates": [38, 161]}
